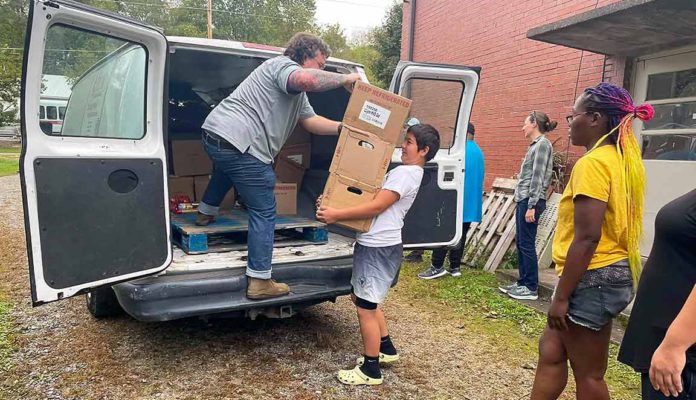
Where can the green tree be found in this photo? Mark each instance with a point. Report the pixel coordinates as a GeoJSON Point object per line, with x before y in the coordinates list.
{"type": "Point", "coordinates": [13, 20]}
{"type": "Point", "coordinates": [387, 41]}
{"type": "Point", "coordinates": [270, 22]}
{"type": "Point", "coordinates": [335, 37]}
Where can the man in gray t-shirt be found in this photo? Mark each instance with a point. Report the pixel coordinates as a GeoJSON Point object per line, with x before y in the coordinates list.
{"type": "Point", "coordinates": [246, 131]}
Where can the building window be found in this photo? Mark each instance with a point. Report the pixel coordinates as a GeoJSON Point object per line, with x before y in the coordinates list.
{"type": "Point", "coordinates": [671, 134]}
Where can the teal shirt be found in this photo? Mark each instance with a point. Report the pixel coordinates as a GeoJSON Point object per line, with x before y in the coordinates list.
{"type": "Point", "coordinates": [474, 170]}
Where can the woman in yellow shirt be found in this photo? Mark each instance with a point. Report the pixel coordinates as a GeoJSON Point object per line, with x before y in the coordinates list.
{"type": "Point", "coordinates": [595, 247]}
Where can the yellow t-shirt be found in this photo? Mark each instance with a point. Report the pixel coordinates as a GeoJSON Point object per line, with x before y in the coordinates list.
{"type": "Point", "coordinates": [597, 175]}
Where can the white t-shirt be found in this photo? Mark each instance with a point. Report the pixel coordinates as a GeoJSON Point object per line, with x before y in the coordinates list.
{"type": "Point", "coordinates": [386, 230]}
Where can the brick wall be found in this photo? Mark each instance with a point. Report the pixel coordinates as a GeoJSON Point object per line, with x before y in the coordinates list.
{"type": "Point", "coordinates": [518, 74]}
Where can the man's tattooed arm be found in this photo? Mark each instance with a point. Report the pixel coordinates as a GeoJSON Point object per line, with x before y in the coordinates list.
{"type": "Point", "coordinates": [316, 80]}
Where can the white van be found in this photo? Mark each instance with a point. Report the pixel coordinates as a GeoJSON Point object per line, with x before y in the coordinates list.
{"type": "Point", "coordinates": [95, 194]}
{"type": "Point", "coordinates": [51, 114]}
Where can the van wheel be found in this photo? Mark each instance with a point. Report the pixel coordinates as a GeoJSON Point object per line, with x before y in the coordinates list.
{"type": "Point", "coordinates": [102, 303]}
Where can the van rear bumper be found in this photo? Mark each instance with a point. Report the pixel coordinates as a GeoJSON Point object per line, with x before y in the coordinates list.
{"type": "Point", "coordinates": [173, 296]}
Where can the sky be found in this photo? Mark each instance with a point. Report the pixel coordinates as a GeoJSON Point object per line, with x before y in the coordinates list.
{"type": "Point", "coordinates": [355, 16]}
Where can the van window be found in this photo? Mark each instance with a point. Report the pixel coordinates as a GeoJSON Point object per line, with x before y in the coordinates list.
{"type": "Point", "coordinates": [436, 102]}
{"type": "Point", "coordinates": [51, 112]}
{"type": "Point", "coordinates": [104, 78]}
{"type": "Point", "coordinates": [42, 112]}
{"type": "Point", "coordinates": [61, 113]}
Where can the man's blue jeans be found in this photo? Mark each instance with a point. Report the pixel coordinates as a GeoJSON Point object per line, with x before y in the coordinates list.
{"type": "Point", "coordinates": [526, 249]}
{"type": "Point", "coordinates": [254, 182]}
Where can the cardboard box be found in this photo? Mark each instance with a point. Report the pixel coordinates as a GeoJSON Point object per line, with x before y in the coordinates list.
{"type": "Point", "coordinates": [288, 171]}
{"type": "Point", "coordinates": [299, 153]}
{"type": "Point", "coordinates": [181, 186]}
{"type": "Point", "coordinates": [361, 156]}
{"type": "Point", "coordinates": [372, 125]}
{"type": "Point", "coordinates": [286, 198]}
{"type": "Point", "coordinates": [377, 111]}
{"type": "Point", "coordinates": [342, 192]}
{"type": "Point", "coordinates": [189, 158]}
{"type": "Point", "coordinates": [200, 183]}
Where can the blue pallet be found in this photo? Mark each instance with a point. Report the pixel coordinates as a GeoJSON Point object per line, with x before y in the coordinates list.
{"type": "Point", "coordinates": [194, 239]}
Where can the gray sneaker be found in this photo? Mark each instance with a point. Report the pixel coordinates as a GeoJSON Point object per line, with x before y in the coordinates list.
{"type": "Point", "coordinates": [523, 293]}
{"type": "Point", "coordinates": [432, 273]}
{"type": "Point", "coordinates": [507, 288]}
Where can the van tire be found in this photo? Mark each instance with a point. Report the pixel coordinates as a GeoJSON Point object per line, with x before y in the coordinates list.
{"type": "Point", "coordinates": [102, 303]}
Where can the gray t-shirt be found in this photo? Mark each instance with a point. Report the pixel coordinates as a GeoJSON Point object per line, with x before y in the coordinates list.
{"type": "Point", "coordinates": [260, 114]}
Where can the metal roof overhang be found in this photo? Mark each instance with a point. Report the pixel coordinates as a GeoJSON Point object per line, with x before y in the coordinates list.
{"type": "Point", "coordinates": [627, 28]}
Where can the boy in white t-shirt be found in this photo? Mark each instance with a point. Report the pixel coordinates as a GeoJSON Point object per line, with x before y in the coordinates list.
{"type": "Point", "coordinates": [378, 253]}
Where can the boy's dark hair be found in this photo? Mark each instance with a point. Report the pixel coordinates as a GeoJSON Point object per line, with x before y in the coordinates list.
{"type": "Point", "coordinates": [471, 129]}
{"type": "Point", "coordinates": [426, 135]}
{"type": "Point", "coordinates": [303, 46]}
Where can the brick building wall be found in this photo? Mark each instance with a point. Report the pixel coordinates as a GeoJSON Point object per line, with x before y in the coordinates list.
{"type": "Point", "coordinates": [518, 74]}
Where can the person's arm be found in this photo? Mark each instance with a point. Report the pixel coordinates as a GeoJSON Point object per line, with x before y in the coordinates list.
{"type": "Point", "coordinates": [587, 223]}
{"type": "Point", "coordinates": [381, 202]}
{"type": "Point", "coordinates": [542, 154]}
{"type": "Point", "coordinates": [669, 359]}
{"type": "Point", "coordinates": [317, 80]}
{"type": "Point", "coordinates": [319, 125]}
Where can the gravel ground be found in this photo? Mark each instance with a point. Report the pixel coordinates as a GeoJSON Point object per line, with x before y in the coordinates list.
{"type": "Point", "coordinates": [64, 353]}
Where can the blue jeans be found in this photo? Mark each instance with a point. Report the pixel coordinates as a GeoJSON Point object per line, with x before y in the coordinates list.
{"type": "Point", "coordinates": [254, 181]}
{"type": "Point", "coordinates": [526, 249]}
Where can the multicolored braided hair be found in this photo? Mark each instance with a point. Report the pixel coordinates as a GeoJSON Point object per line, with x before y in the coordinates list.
{"type": "Point", "coordinates": [616, 103]}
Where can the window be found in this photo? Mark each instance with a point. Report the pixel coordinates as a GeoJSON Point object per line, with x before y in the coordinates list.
{"type": "Point", "coordinates": [103, 77]}
{"type": "Point", "coordinates": [436, 102]}
{"type": "Point", "coordinates": [61, 113]}
{"type": "Point", "coordinates": [51, 112]}
{"type": "Point", "coordinates": [42, 112]}
{"type": "Point", "coordinates": [671, 134]}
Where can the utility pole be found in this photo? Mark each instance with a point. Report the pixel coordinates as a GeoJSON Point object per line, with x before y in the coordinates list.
{"type": "Point", "coordinates": [210, 19]}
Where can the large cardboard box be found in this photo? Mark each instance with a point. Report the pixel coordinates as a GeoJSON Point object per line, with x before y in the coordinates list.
{"type": "Point", "coordinates": [377, 111]}
{"type": "Point", "coordinates": [372, 125]}
{"type": "Point", "coordinates": [361, 156]}
{"type": "Point", "coordinates": [286, 198]}
{"type": "Point", "coordinates": [288, 171]}
{"type": "Point", "coordinates": [342, 192]}
{"type": "Point", "coordinates": [189, 158]}
{"type": "Point", "coordinates": [181, 186]}
{"type": "Point", "coordinates": [200, 183]}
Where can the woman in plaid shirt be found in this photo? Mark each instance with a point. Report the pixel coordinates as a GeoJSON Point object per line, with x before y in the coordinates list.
{"type": "Point", "coordinates": [530, 196]}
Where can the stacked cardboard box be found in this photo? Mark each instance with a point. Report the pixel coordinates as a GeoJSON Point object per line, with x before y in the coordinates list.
{"type": "Point", "coordinates": [192, 168]}
{"type": "Point", "coordinates": [372, 125]}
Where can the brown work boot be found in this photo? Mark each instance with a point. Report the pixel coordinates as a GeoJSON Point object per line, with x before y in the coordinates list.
{"type": "Point", "coordinates": [204, 220]}
{"type": "Point", "coordinates": [259, 289]}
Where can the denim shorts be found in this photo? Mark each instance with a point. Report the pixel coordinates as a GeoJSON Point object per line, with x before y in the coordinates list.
{"type": "Point", "coordinates": [601, 295]}
{"type": "Point", "coordinates": [375, 270]}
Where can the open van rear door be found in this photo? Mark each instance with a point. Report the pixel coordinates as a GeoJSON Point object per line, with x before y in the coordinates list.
{"type": "Point", "coordinates": [95, 202]}
{"type": "Point", "coordinates": [443, 96]}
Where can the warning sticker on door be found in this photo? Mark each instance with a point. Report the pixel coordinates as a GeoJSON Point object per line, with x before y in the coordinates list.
{"type": "Point", "coordinates": [374, 115]}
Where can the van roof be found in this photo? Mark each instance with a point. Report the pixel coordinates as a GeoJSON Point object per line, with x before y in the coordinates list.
{"type": "Point", "coordinates": [251, 48]}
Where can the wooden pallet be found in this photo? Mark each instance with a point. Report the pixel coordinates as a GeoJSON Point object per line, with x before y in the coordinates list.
{"type": "Point", "coordinates": [228, 232]}
{"type": "Point", "coordinates": [497, 223]}
{"type": "Point", "coordinates": [493, 237]}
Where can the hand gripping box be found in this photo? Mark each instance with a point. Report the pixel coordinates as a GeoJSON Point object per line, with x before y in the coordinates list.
{"type": "Point", "coordinates": [372, 125]}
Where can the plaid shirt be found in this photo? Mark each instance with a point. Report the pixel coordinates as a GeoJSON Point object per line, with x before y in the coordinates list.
{"type": "Point", "coordinates": [535, 174]}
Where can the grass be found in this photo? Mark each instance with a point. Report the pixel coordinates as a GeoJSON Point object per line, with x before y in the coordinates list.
{"type": "Point", "coordinates": [9, 160]}
{"type": "Point", "coordinates": [474, 298]}
{"type": "Point", "coordinates": [6, 346]}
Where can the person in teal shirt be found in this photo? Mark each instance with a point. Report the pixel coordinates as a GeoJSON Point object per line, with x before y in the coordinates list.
{"type": "Point", "coordinates": [474, 171]}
